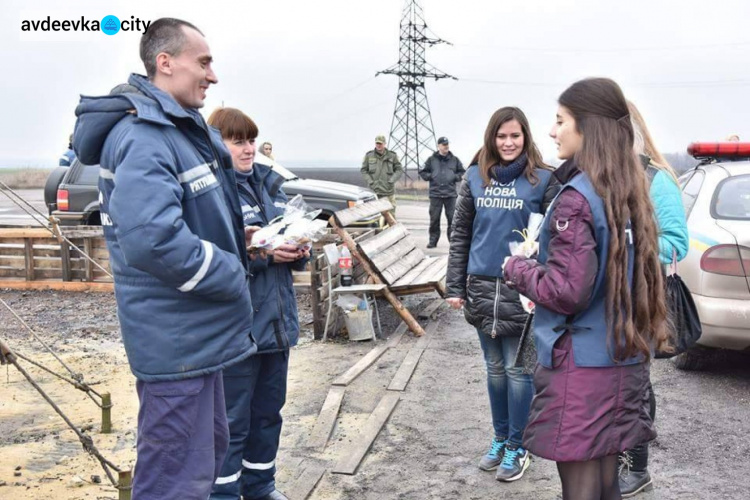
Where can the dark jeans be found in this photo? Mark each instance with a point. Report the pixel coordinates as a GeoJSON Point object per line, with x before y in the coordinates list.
{"type": "Point", "coordinates": [510, 390]}
{"type": "Point", "coordinates": [255, 393]}
{"type": "Point", "coordinates": [436, 208]}
{"type": "Point", "coordinates": [639, 454]}
{"type": "Point", "coordinates": [182, 438]}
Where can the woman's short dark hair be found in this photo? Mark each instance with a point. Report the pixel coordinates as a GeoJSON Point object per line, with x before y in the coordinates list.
{"type": "Point", "coordinates": [233, 124]}
{"type": "Point", "coordinates": [163, 35]}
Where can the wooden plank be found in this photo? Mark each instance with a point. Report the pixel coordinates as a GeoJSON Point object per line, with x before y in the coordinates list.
{"type": "Point", "coordinates": [423, 279]}
{"type": "Point", "coordinates": [99, 253]}
{"type": "Point", "coordinates": [317, 304]}
{"type": "Point", "coordinates": [301, 277]}
{"type": "Point", "coordinates": [390, 255]}
{"type": "Point", "coordinates": [47, 251]}
{"type": "Point", "coordinates": [48, 274]}
{"type": "Point", "coordinates": [13, 272]}
{"type": "Point", "coordinates": [11, 253]}
{"type": "Point", "coordinates": [68, 286]}
{"type": "Point", "coordinates": [327, 418]}
{"type": "Point", "coordinates": [429, 332]}
{"type": "Point", "coordinates": [405, 371]}
{"type": "Point", "coordinates": [47, 263]}
{"type": "Point", "coordinates": [360, 288]}
{"type": "Point", "coordinates": [304, 485]}
{"type": "Point", "coordinates": [403, 266]}
{"type": "Point", "coordinates": [349, 215]}
{"type": "Point", "coordinates": [360, 366]}
{"type": "Point", "coordinates": [386, 239]}
{"type": "Point", "coordinates": [365, 362]}
{"type": "Point", "coordinates": [349, 463]}
{"type": "Point", "coordinates": [21, 232]}
{"type": "Point", "coordinates": [413, 290]}
{"type": "Point", "coordinates": [6, 245]}
{"type": "Point", "coordinates": [367, 233]}
{"type": "Point", "coordinates": [91, 232]}
{"type": "Point", "coordinates": [414, 272]}
{"type": "Point", "coordinates": [89, 248]}
{"type": "Point", "coordinates": [436, 273]}
{"type": "Point", "coordinates": [411, 360]}
{"type": "Point", "coordinates": [29, 259]}
{"type": "Point", "coordinates": [430, 309]}
{"type": "Point", "coordinates": [13, 261]}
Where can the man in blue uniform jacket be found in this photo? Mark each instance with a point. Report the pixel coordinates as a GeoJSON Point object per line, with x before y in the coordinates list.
{"type": "Point", "coordinates": [173, 224]}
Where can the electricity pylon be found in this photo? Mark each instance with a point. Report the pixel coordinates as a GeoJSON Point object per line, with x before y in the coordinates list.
{"type": "Point", "coordinates": [412, 134]}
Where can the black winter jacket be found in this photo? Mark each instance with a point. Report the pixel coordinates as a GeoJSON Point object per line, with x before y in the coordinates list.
{"type": "Point", "coordinates": [491, 306]}
{"type": "Point", "coordinates": [443, 172]}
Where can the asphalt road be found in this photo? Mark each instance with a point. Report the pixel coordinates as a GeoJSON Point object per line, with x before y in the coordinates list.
{"type": "Point", "coordinates": [11, 214]}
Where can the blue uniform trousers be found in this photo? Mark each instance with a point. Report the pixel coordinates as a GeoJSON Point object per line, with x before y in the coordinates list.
{"type": "Point", "coordinates": [182, 438]}
{"type": "Point", "coordinates": [255, 392]}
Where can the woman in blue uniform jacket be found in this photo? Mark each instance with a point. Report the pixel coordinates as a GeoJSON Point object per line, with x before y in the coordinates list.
{"type": "Point", "coordinates": [255, 390]}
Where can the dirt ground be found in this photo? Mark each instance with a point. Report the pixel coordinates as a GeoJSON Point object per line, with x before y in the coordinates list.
{"type": "Point", "coordinates": [428, 449]}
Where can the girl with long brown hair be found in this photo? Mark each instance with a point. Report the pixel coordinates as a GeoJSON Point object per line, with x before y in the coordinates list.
{"type": "Point", "coordinates": [597, 285]}
{"type": "Point", "coordinates": [508, 182]}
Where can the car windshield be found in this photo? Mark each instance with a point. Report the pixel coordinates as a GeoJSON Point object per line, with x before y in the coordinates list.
{"type": "Point", "coordinates": [732, 198]}
{"type": "Point", "coordinates": [282, 171]}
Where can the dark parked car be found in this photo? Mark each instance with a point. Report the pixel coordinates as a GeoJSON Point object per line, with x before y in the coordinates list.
{"type": "Point", "coordinates": [71, 194]}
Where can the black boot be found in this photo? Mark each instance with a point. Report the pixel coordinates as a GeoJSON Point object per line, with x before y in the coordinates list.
{"type": "Point", "coordinates": [634, 476]}
{"type": "Point", "coordinates": [274, 495]}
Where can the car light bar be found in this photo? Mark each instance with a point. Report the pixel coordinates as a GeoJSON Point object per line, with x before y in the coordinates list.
{"type": "Point", "coordinates": [719, 149]}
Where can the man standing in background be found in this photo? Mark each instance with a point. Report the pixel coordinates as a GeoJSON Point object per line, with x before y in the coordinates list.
{"type": "Point", "coordinates": [67, 158]}
{"type": "Point", "coordinates": [381, 169]}
{"type": "Point", "coordinates": [444, 171]}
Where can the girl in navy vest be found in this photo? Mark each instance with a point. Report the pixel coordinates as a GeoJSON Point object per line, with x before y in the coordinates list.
{"type": "Point", "coordinates": [597, 285]}
{"type": "Point", "coordinates": [499, 192]}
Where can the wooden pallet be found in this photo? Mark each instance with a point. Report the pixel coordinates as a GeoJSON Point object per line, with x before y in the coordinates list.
{"type": "Point", "coordinates": [392, 258]}
{"type": "Point", "coordinates": [36, 255]}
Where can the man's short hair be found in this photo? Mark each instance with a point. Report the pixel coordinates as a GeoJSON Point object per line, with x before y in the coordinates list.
{"type": "Point", "coordinates": [164, 35]}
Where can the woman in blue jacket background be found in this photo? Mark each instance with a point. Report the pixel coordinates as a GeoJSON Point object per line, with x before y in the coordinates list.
{"type": "Point", "coordinates": [255, 390]}
{"type": "Point", "coordinates": [674, 243]}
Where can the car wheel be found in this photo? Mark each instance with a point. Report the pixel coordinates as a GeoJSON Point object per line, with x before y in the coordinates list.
{"type": "Point", "coordinates": [693, 359]}
{"type": "Point", "coordinates": [94, 219]}
{"type": "Point", "coordinates": [50, 187]}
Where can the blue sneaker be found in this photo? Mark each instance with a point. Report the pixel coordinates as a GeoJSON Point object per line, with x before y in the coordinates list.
{"type": "Point", "coordinates": [493, 457]}
{"type": "Point", "coordinates": [515, 462]}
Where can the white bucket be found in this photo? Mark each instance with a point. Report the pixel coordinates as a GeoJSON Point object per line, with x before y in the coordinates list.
{"type": "Point", "coordinates": [359, 324]}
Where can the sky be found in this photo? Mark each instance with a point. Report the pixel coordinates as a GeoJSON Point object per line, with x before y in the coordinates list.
{"type": "Point", "coordinates": [305, 71]}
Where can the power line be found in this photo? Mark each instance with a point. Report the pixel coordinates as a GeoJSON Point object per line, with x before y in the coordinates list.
{"type": "Point", "coordinates": [607, 50]}
{"type": "Point", "coordinates": [321, 103]}
{"type": "Point", "coordinates": [673, 84]}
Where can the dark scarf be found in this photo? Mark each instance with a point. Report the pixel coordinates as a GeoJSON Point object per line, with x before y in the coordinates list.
{"type": "Point", "coordinates": [508, 173]}
{"type": "Point", "coordinates": [565, 172]}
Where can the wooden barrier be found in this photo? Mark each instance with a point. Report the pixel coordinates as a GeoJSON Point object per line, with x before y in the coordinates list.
{"type": "Point", "coordinates": [33, 259]}
{"type": "Point", "coordinates": [35, 255]}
